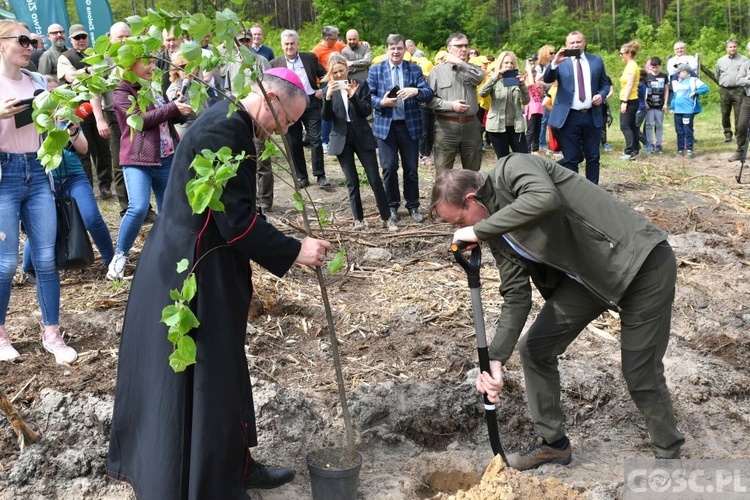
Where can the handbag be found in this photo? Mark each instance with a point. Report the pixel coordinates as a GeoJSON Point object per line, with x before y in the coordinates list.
{"type": "Point", "coordinates": [72, 245]}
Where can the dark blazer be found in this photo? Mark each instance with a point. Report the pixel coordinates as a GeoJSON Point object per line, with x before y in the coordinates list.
{"type": "Point", "coordinates": [566, 87]}
{"type": "Point", "coordinates": [312, 66]}
{"type": "Point", "coordinates": [360, 107]}
{"type": "Point", "coordinates": [381, 82]}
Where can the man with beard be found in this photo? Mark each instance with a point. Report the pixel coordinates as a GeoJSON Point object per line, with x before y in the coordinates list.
{"type": "Point", "coordinates": [48, 60]}
{"type": "Point", "coordinates": [358, 56]}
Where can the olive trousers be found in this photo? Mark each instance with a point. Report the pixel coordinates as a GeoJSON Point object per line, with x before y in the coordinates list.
{"type": "Point", "coordinates": [646, 309]}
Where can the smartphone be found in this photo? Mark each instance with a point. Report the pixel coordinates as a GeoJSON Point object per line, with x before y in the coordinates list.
{"type": "Point", "coordinates": [25, 102]}
{"type": "Point", "coordinates": [343, 84]}
{"type": "Point", "coordinates": [394, 92]}
{"type": "Point", "coordinates": [572, 52]}
{"type": "Point", "coordinates": [510, 78]}
{"type": "Point", "coordinates": [24, 117]}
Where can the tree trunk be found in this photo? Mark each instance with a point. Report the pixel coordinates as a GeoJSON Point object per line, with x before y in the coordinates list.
{"type": "Point", "coordinates": [614, 25]}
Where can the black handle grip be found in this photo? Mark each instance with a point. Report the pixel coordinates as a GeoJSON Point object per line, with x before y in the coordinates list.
{"type": "Point", "coordinates": [472, 265]}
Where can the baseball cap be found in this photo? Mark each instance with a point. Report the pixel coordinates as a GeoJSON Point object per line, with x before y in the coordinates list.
{"type": "Point", "coordinates": [479, 60]}
{"type": "Point", "coordinates": [78, 29]}
{"type": "Point", "coordinates": [243, 34]}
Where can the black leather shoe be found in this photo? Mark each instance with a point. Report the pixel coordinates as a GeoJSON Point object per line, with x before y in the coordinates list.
{"type": "Point", "coordinates": [323, 182]}
{"type": "Point", "coordinates": [150, 217]}
{"type": "Point", "coordinates": [394, 214]}
{"type": "Point", "coordinates": [261, 477]}
{"type": "Point", "coordinates": [304, 183]}
{"type": "Point", "coordinates": [416, 216]}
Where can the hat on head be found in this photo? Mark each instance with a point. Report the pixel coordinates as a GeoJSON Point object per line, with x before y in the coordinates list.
{"type": "Point", "coordinates": [78, 29]}
{"type": "Point", "coordinates": [683, 67]}
{"type": "Point", "coordinates": [479, 60]}
{"type": "Point", "coordinates": [244, 34]}
{"type": "Point", "coordinates": [288, 75]}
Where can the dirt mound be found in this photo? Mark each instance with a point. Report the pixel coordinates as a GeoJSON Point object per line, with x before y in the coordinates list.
{"type": "Point", "coordinates": [500, 482]}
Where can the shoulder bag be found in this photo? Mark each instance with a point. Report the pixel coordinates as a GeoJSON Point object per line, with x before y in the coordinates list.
{"type": "Point", "coordinates": [72, 245]}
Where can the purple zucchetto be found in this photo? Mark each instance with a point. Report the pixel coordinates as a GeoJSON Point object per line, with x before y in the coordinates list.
{"type": "Point", "coordinates": [288, 75]}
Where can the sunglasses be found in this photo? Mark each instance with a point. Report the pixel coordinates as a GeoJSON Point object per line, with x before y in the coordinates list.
{"type": "Point", "coordinates": [23, 40]}
{"type": "Point", "coordinates": [80, 37]}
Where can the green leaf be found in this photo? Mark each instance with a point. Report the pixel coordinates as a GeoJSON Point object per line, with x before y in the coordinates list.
{"type": "Point", "coordinates": [170, 315]}
{"type": "Point", "coordinates": [202, 166]}
{"type": "Point", "coordinates": [323, 217]}
{"type": "Point", "coordinates": [337, 263]}
{"type": "Point", "coordinates": [224, 173]}
{"type": "Point", "coordinates": [189, 288]}
{"type": "Point", "coordinates": [135, 122]}
{"type": "Point", "coordinates": [200, 197]}
{"type": "Point", "coordinates": [184, 355]}
{"type": "Point", "coordinates": [271, 151]}
{"type": "Point", "coordinates": [188, 321]}
{"type": "Point", "coordinates": [126, 56]}
{"type": "Point", "coordinates": [191, 51]}
{"type": "Point", "coordinates": [215, 204]}
{"type": "Point", "coordinates": [175, 295]}
{"type": "Point", "coordinates": [182, 265]}
{"type": "Point", "coordinates": [44, 121]}
{"type": "Point", "coordinates": [299, 201]}
{"type": "Point", "coordinates": [135, 23]}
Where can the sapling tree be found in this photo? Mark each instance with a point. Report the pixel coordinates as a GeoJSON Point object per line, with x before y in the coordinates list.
{"type": "Point", "coordinates": [213, 169]}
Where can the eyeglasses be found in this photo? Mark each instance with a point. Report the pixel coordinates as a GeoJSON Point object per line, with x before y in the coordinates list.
{"type": "Point", "coordinates": [80, 37]}
{"type": "Point", "coordinates": [57, 33]}
{"type": "Point", "coordinates": [286, 115]}
{"type": "Point", "coordinates": [460, 220]}
{"type": "Point", "coordinates": [23, 40]}
{"type": "Point", "coordinates": [460, 45]}
{"type": "Point", "coordinates": [623, 53]}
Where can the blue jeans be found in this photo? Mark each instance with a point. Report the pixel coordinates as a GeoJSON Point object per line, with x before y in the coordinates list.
{"type": "Point", "coordinates": [683, 125]}
{"type": "Point", "coordinates": [140, 181]}
{"type": "Point", "coordinates": [543, 131]}
{"type": "Point", "coordinates": [81, 191]}
{"type": "Point", "coordinates": [325, 130]}
{"type": "Point", "coordinates": [26, 194]}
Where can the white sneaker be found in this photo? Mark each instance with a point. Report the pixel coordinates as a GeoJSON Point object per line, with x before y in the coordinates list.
{"type": "Point", "coordinates": [359, 225]}
{"type": "Point", "coordinates": [116, 269]}
{"type": "Point", "coordinates": [55, 344]}
{"type": "Point", "coordinates": [7, 351]}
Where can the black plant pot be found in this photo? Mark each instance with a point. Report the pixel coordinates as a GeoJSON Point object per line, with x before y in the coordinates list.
{"type": "Point", "coordinates": [333, 475]}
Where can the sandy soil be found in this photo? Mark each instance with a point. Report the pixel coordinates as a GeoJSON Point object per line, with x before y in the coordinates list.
{"type": "Point", "coordinates": [403, 317]}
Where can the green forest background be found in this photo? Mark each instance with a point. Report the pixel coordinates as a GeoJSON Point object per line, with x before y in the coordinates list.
{"type": "Point", "coordinates": [494, 25]}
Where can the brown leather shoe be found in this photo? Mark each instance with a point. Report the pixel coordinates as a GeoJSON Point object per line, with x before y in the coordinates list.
{"type": "Point", "coordinates": [537, 453]}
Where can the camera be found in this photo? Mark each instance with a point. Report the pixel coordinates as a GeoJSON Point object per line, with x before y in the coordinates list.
{"type": "Point", "coordinates": [572, 52]}
{"type": "Point", "coordinates": [343, 84]}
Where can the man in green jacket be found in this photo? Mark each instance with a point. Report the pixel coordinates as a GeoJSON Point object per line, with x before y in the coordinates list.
{"type": "Point", "coordinates": [585, 252]}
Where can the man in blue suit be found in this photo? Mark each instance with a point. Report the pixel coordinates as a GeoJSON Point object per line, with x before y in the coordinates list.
{"type": "Point", "coordinates": [582, 86]}
{"type": "Point", "coordinates": [398, 124]}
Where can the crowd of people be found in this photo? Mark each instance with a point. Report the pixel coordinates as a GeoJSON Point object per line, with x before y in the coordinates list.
{"type": "Point", "coordinates": [393, 111]}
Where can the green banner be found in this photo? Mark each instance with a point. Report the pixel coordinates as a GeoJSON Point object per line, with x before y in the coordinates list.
{"type": "Point", "coordinates": [96, 16]}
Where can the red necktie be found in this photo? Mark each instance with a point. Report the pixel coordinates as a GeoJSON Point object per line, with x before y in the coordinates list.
{"type": "Point", "coordinates": [579, 78]}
